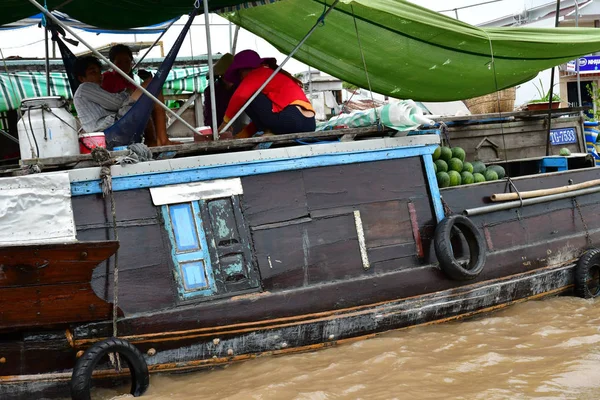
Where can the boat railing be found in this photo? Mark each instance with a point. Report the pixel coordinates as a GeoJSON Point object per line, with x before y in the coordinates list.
{"type": "Point", "coordinates": [233, 145]}
{"type": "Point", "coordinates": [296, 139]}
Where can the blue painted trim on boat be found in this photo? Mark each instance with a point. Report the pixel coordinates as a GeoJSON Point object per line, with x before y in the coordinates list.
{"type": "Point", "coordinates": [433, 187]}
{"type": "Point", "coordinates": [425, 132]}
{"type": "Point", "coordinates": [120, 183]}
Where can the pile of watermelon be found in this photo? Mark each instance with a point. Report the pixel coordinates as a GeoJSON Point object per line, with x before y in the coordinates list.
{"type": "Point", "coordinates": [452, 170]}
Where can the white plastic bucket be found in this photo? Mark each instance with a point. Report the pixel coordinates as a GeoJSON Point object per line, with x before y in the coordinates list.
{"type": "Point", "coordinates": [47, 129]}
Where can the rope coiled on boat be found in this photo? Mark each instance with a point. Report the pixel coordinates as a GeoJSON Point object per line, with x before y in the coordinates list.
{"type": "Point", "coordinates": [104, 159]}
{"type": "Point", "coordinates": [137, 152]}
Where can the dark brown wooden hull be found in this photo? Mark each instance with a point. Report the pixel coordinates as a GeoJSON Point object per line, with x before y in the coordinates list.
{"type": "Point", "coordinates": [215, 346]}
{"type": "Point", "coordinates": [49, 285]}
{"type": "Point", "coordinates": [303, 282]}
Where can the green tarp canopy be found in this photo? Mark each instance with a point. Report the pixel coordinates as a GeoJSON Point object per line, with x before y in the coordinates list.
{"type": "Point", "coordinates": [410, 52]}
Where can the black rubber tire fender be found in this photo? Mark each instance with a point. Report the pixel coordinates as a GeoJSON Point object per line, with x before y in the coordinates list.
{"type": "Point", "coordinates": [85, 365]}
{"type": "Point", "coordinates": [589, 261]}
{"type": "Point", "coordinates": [443, 248]}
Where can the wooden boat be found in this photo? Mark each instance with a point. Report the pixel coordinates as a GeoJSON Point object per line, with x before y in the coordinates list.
{"type": "Point", "coordinates": [228, 252]}
{"type": "Point", "coordinates": [230, 256]}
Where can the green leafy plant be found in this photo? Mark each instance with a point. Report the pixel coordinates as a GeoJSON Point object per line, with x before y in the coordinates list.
{"type": "Point", "coordinates": [544, 96]}
{"type": "Point", "coordinates": [594, 93]}
{"type": "Point", "coordinates": [349, 86]}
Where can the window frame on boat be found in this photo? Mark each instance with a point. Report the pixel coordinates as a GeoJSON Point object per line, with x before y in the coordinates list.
{"type": "Point", "coordinates": [209, 235]}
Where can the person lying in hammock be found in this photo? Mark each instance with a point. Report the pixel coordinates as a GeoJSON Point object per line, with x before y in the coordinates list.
{"type": "Point", "coordinates": [98, 109]}
{"type": "Point", "coordinates": [113, 82]}
{"type": "Point", "coordinates": [281, 107]}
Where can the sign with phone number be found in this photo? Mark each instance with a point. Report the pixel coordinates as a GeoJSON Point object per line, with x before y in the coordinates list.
{"type": "Point", "coordinates": [563, 136]}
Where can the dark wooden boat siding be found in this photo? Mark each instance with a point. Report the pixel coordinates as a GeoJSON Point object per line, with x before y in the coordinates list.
{"type": "Point", "coordinates": [403, 283]}
{"type": "Point", "coordinates": [301, 222]}
{"type": "Point", "coordinates": [49, 285]}
{"type": "Point", "coordinates": [181, 351]}
{"type": "Point", "coordinates": [306, 248]}
{"type": "Point", "coordinates": [29, 353]}
{"type": "Point", "coordinates": [303, 233]}
{"type": "Point", "coordinates": [512, 140]}
{"type": "Point", "coordinates": [297, 217]}
{"type": "Point", "coordinates": [315, 240]}
{"type": "Point", "coordinates": [535, 223]}
{"type": "Point", "coordinates": [145, 268]}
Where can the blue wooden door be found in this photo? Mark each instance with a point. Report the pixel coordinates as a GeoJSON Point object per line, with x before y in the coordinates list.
{"type": "Point", "coordinates": [193, 269]}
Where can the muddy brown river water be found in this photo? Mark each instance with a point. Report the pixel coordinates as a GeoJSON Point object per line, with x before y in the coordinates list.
{"type": "Point", "coordinates": [546, 349]}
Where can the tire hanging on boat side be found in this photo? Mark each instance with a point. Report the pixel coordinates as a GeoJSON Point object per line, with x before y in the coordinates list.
{"type": "Point", "coordinates": [85, 365]}
{"type": "Point", "coordinates": [587, 275]}
{"type": "Point", "coordinates": [443, 248]}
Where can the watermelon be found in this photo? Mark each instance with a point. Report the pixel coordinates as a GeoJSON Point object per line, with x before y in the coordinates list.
{"type": "Point", "coordinates": [455, 179]}
{"type": "Point", "coordinates": [466, 178]}
{"type": "Point", "coordinates": [443, 179]}
{"type": "Point", "coordinates": [435, 168]}
{"type": "Point", "coordinates": [498, 169]}
{"type": "Point", "coordinates": [490, 175]}
{"type": "Point", "coordinates": [445, 153]}
{"type": "Point", "coordinates": [458, 152]}
{"type": "Point", "coordinates": [436, 153]}
{"type": "Point", "coordinates": [565, 152]}
{"type": "Point", "coordinates": [441, 166]}
{"type": "Point", "coordinates": [478, 177]}
{"type": "Point", "coordinates": [478, 167]}
{"type": "Point", "coordinates": [455, 165]}
{"type": "Point", "coordinates": [467, 166]}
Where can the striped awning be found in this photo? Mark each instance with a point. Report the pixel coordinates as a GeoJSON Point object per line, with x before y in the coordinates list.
{"type": "Point", "coordinates": [14, 87]}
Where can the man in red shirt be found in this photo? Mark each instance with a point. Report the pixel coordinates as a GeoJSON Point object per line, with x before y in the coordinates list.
{"type": "Point", "coordinates": [113, 82]}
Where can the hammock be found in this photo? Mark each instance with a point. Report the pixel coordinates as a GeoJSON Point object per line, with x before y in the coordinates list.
{"type": "Point", "coordinates": [67, 55]}
{"type": "Point", "coordinates": [130, 128]}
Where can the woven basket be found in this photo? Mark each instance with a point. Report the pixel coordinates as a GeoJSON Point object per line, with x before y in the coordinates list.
{"type": "Point", "coordinates": [489, 103]}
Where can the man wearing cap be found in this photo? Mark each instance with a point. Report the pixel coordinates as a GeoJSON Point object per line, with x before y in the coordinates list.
{"type": "Point", "coordinates": [113, 82]}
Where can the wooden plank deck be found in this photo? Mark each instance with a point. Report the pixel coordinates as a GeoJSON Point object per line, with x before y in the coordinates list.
{"type": "Point", "coordinates": [223, 146]}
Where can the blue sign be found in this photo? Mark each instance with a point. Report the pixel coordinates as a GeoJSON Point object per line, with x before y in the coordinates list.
{"type": "Point", "coordinates": [563, 136]}
{"type": "Point", "coordinates": [587, 64]}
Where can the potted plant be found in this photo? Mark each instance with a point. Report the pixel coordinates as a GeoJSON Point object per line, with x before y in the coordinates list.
{"type": "Point", "coordinates": [543, 103]}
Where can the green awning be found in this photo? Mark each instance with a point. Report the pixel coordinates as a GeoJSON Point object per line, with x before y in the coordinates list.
{"type": "Point", "coordinates": [410, 52]}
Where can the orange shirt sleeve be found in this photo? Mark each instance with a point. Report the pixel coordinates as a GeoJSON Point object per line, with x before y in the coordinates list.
{"type": "Point", "coordinates": [245, 90]}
